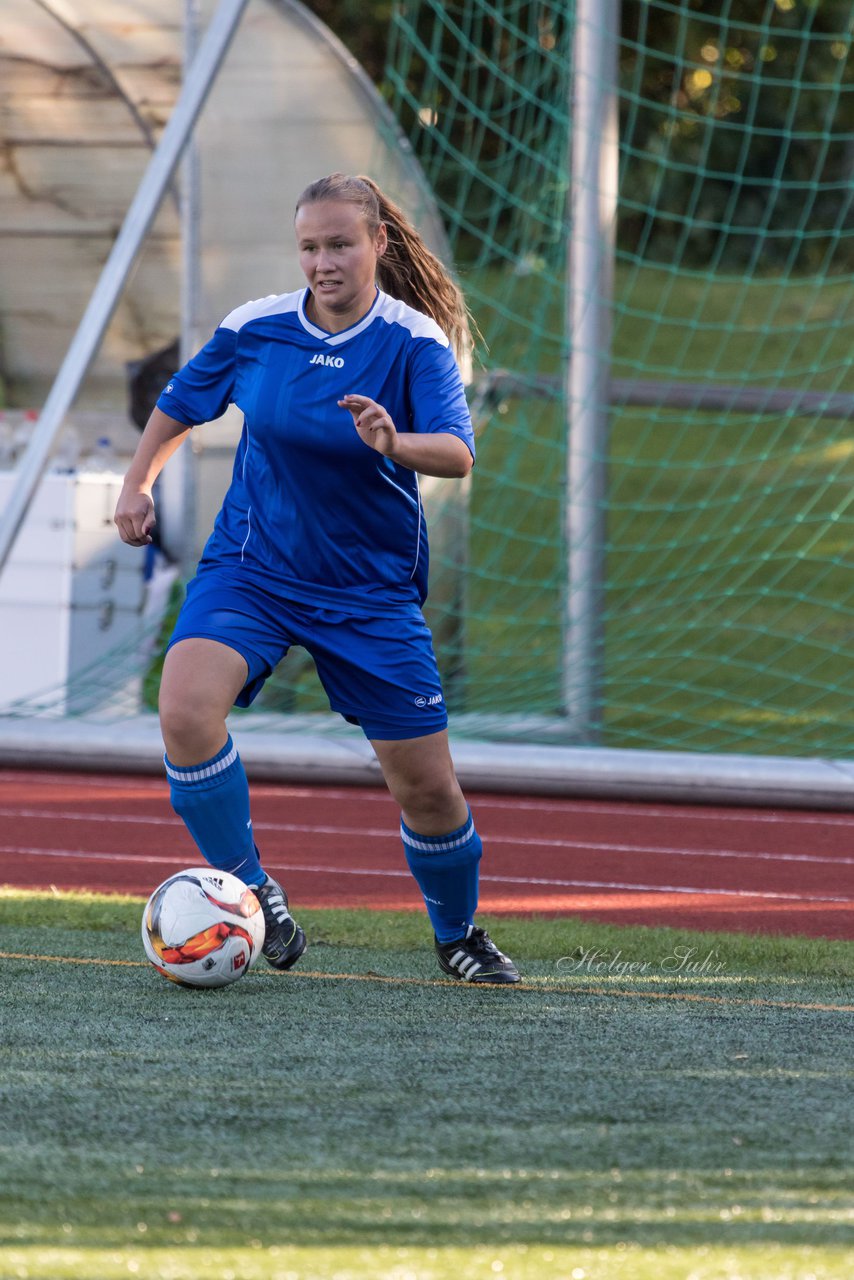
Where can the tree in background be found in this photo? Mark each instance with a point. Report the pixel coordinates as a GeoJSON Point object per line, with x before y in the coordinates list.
{"type": "Point", "coordinates": [736, 125]}
{"type": "Point", "coordinates": [363, 26]}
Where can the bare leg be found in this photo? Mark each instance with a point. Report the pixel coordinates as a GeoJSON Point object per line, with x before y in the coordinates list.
{"type": "Point", "coordinates": [201, 679]}
{"type": "Point", "coordinates": [420, 775]}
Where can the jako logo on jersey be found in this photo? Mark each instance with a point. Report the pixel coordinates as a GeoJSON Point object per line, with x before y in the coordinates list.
{"type": "Point", "coordinates": [429, 702]}
{"type": "Point", "coordinates": [335, 361]}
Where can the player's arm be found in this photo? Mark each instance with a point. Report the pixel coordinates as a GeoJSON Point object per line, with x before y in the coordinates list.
{"type": "Point", "coordinates": [134, 516]}
{"type": "Point", "coordinates": [439, 453]}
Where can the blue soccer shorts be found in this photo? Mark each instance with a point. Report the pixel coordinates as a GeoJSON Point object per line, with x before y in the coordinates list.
{"type": "Point", "coordinates": [379, 672]}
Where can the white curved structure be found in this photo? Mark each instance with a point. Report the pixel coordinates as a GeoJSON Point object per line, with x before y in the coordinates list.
{"type": "Point", "coordinates": [86, 87]}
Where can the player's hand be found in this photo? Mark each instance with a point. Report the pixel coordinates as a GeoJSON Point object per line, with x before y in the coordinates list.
{"type": "Point", "coordinates": [134, 517]}
{"type": "Point", "coordinates": [372, 423]}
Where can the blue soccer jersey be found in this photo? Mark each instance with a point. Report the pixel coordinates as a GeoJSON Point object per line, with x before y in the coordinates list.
{"type": "Point", "coordinates": [313, 513]}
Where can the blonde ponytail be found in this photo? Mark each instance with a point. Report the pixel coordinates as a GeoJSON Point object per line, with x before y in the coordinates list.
{"type": "Point", "coordinates": [408, 270]}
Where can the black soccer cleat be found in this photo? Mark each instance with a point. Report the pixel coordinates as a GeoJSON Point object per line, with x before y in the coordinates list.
{"type": "Point", "coordinates": [284, 942]}
{"type": "Point", "coordinates": [475, 958]}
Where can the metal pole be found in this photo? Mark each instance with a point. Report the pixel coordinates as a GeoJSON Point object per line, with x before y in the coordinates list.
{"type": "Point", "coordinates": [177, 486]}
{"type": "Point", "coordinates": [117, 267]}
{"type": "Point", "coordinates": [190, 203]}
{"type": "Point", "coordinates": [593, 206]}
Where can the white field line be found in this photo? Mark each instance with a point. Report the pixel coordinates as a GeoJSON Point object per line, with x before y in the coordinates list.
{"type": "Point", "coordinates": [380, 833]}
{"type": "Point", "coordinates": [84, 856]}
{"type": "Point", "coordinates": [624, 808]}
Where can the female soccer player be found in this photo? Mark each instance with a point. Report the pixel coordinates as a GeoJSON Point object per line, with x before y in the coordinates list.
{"type": "Point", "coordinates": [348, 387]}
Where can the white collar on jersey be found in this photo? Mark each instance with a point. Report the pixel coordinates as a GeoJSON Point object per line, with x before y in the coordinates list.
{"type": "Point", "coordinates": [335, 339]}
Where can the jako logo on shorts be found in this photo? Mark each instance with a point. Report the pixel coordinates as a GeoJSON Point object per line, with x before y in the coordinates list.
{"type": "Point", "coordinates": [434, 701]}
{"type": "Point", "coordinates": [336, 362]}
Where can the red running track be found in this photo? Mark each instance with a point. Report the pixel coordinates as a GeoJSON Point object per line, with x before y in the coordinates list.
{"type": "Point", "coordinates": [751, 871]}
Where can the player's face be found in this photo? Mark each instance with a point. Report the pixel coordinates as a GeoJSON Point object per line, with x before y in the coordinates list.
{"type": "Point", "coordinates": [338, 256]}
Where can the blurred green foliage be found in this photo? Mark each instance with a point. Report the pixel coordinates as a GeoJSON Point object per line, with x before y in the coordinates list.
{"type": "Point", "coordinates": [737, 122]}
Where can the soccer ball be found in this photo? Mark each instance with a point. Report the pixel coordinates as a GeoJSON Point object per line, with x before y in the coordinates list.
{"type": "Point", "coordinates": [203, 928]}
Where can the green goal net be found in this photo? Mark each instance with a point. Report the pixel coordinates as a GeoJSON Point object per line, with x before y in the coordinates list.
{"type": "Point", "coordinates": [727, 607]}
{"type": "Point", "coordinates": [723, 575]}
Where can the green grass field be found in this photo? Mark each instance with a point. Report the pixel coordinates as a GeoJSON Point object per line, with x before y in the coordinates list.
{"type": "Point", "coordinates": [364, 1119]}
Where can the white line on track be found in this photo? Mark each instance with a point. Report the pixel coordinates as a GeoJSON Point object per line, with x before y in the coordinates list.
{"type": "Point", "coordinates": [569, 805]}
{"type": "Point", "coordinates": [677, 813]}
{"type": "Point", "coordinates": [83, 781]}
{"type": "Point", "coordinates": [178, 863]}
{"type": "Point", "coordinates": [379, 833]}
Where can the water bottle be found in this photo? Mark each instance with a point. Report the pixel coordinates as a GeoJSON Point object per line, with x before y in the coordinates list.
{"type": "Point", "coordinates": [67, 451]}
{"type": "Point", "coordinates": [7, 446]}
{"type": "Point", "coordinates": [102, 458]}
{"type": "Point", "coordinates": [23, 433]}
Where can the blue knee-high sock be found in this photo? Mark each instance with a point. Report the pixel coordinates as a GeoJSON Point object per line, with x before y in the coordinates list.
{"type": "Point", "coordinates": [213, 799]}
{"type": "Point", "coordinates": [446, 869]}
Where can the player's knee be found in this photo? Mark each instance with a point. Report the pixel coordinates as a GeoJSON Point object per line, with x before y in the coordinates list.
{"type": "Point", "coordinates": [187, 724]}
{"type": "Point", "coordinates": [430, 803]}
